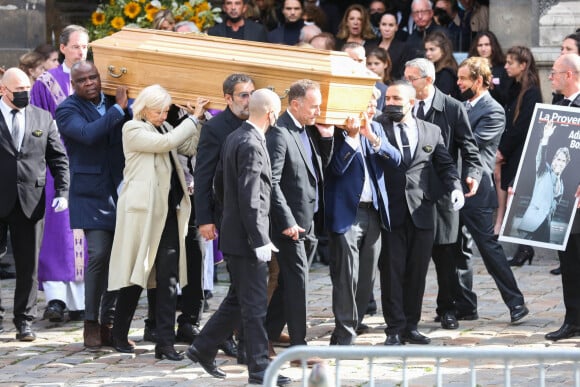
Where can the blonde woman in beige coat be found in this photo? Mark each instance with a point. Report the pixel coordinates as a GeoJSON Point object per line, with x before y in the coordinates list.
{"type": "Point", "coordinates": [152, 216]}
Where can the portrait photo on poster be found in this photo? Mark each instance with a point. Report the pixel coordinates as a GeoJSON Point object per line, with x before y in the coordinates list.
{"type": "Point", "coordinates": [541, 210]}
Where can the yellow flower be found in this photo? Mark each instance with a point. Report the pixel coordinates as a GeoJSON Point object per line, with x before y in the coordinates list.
{"type": "Point", "coordinates": [112, 3]}
{"type": "Point", "coordinates": [132, 10]}
{"type": "Point", "coordinates": [98, 18]}
{"type": "Point", "coordinates": [150, 14]}
{"type": "Point", "coordinates": [118, 22]}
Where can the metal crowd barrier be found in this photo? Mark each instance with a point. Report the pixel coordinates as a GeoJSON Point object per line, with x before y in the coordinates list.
{"type": "Point", "coordinates": [468, 360]}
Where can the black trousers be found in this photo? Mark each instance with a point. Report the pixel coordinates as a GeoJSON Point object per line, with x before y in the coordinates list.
{"type": "Point", "coordinates": [403, 265]}
{"type": "Point", "coordinates": [245, 305]}
{"type": "Point", "coordinates": [192, 294]}
{"type": "Point", "coordinates": [98, 301]}
{"type": "Point", "coordinates": [479, 223]}
{"type": "Point", "coordinates": [570, 265]}
{"type": "Point", "coordinates": [167, 275]}
{"type": "Point", "coordinates": [26, 238]}
{"type": "Point", "coordinates": [289, 300]}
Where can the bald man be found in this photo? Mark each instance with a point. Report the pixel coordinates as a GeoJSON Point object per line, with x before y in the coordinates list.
{"type": "Point", "coordinates": [29, 141]}
{"type": "Point", "coordinates": [243, 182]}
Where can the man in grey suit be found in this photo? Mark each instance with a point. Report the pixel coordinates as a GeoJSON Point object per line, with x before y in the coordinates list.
{"type": "Point", "coordinates": [487, 120]}
{"type": "Point", "coordinates": [29, 141]}
{"type": "Point", "coordinates": [299, 151]}
{"type": "Point", "coordinates": [450, 116]}
{"type": "Point", "coordinates": [243, 183]}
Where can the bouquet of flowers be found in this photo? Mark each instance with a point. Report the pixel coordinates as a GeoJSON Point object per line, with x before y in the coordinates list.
{"type": "Point", "coordinates": [110, 18]}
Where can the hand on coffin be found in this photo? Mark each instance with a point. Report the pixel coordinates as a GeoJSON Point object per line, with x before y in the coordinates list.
{"type": "Point", "coordinates": [197, 110]}
{"type": "Point", "coordinates": [122, 96]}
{"type": "Point", "coordinates": [352, 126]}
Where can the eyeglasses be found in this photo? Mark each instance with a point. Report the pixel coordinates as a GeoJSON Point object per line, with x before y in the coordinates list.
{"type": "Point", "coordinates": [421, 12]}
{"type": "Point", "coordinates": [243, 95]}
{"type": "Point", "coordinates": [414, 79]}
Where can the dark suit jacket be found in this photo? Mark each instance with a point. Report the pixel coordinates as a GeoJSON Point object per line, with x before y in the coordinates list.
{"type": "Point", "coordinates": [576, 224]}
{"type": "Point", "coordinates": [345, 179]}
{"type": "Point", "coordinates": [252, 31]}
{"type": "Point", "coordinates": [487, 121]}
{"type": "Point", "coordinates": [212, 137]}
{"type": "Point", "coordinates": [95, 152]}
{"type": "Point", "coordinates": [294, 182]}
{"type": "Point", "coordinates": [410, 186]}
{"type": "Point", "coordinates": [451, 117]}
{"type": "Point", "coordinates": [243, 182]}
{"type": "Point", "coordinates": [23, 173]}
{"type": "Point", "coordinates": [415, 41]}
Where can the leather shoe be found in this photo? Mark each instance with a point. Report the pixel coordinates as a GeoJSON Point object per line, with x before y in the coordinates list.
{"type": "Point", "coordinates": [186, 333]}
{"type": "Point", "coordinates": [25, 332]}
{"type": "Point", "coordinates": [310, 362]}
{"type": "Point", "coordinates": [208, 365]}
{"type": "Point", "coordinates": [556, 271]}
{"type": "Point", "coordinates": [54, 311]}
{"type": "Point", "coordinates": [415, 337]}
{"type": "Point", "coordinates": [518, 312]}
{"type": "Point", "coordinates": [123, 346]}
{"type": "Point", "coordinates": [461, 316]}
{"type": "Point", "coordinates": [5, 274]}
{"type": "Point", "coordinates": [449, 321]}
{"type": "Point", "coordinates": [284, 338]}
{"type": "Point", "coordinates": [229, 347]}
{"type": "Point", "coordinates": [362, 328]}
{"type": "Point", "coordinates": [167, 351]}
{"type": "Point", "coordinates": [394, 340]}
{"type": "Point", "coordinates": [258, 378]}
{"type": "Point", "coordinates": [371, 308]}
{"type": "Point", "coordinates": [565, 332]}
{"type": "Point", "coordinates": [92, 334]}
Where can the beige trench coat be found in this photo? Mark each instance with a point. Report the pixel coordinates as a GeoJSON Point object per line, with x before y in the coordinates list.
{"type": "Point", "coordinates": [143, 201]}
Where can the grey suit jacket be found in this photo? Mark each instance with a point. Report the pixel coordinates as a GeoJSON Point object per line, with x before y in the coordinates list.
{"type": "Point", "coordinates": [295, 179]}
{"type": "Point", "coordinates": [243, 182]}
{"type": "Point", "coordinates": [23, 173]}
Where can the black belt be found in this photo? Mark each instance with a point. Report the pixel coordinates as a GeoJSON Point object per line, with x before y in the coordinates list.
{"type": "Point", "coordinates": [365, 205]}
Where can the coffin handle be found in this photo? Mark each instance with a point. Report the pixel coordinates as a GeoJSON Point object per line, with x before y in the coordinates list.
{"type": "Point", "coordinates": [111, 69]}
{"type": "Point", "coordinates": [281, 96]}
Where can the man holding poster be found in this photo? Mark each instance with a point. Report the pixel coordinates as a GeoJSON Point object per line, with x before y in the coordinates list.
{"type": "Point", "coordinates": [565, 78]}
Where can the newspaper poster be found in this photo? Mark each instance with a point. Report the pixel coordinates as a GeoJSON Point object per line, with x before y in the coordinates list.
{"type": "Point", "coordinates": [542, 209]}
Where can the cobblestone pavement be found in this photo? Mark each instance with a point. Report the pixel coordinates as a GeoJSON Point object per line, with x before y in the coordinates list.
{"type": "Point", "coordinates": [58, 358]}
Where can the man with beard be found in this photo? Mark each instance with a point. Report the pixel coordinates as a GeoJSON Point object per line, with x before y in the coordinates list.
{"type": "Point", "coordinates": [289, 32]}
{"type": "Point", "coordinates": [236, 26]}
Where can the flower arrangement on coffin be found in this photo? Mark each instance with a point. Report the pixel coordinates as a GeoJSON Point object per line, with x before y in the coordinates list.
{"type": "Point", "coordinates": [116, 14]}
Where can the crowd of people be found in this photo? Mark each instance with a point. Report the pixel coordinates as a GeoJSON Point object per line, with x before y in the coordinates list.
{"type": "Point", "coordinates": [136, 191]}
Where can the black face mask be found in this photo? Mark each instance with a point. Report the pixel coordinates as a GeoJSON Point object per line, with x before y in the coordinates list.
{"type": "Point", "coordinates": [466, 95]}
{"type": "Point", "coordinates": [394, 112]}
{"type": "Point", "coordinates": [21, 99]}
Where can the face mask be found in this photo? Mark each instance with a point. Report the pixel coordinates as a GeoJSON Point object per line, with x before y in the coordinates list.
{"type": "Point", "coordinates": [466, 95]}
{"type": "Point", "coordinates": [21, 99]}
{"type": "Point", "coordinates": [394, 112]}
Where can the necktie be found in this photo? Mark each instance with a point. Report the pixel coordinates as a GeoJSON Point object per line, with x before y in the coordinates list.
{"type": "Point", "coordinates": [566, 102]}
{"type": "Point", "coordinates": [467, 106]}
{"type": "Point", "coordinates": [421, 110]}
{"type": "Point", "coordinates": [405, 144]}
{"type": "Point", "coordinates": [15, 128]}
{"type": "Point", "coordinates": [308, 149]}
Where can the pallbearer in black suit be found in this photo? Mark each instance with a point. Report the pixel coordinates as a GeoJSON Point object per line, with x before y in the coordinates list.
{"type": "Point", "coordinates": [406, 249]}
{"type": "Point", "coordinates": [243, 183]}
{"type": "Point", "coordinates": [29, 141]}
{"type": "Point", "coordinates": [299, 151]}
{"type": "Point", "coordinates": [450, 116]}
{"type": "Point", "coordinates": [487, 119]}
{"type": "Point", "coordinates": [565, 78]}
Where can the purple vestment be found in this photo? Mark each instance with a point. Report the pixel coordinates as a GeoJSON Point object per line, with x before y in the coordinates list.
{"type": "Point", "coordinates": [63, 253]}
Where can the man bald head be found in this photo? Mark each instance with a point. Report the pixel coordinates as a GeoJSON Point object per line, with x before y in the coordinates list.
{"type": "Point", "coordinates": [565, 75]}
{"type": "Point", "coordinates": [15, 88]}
{"type": "Point", "coordinates": [264, 108]}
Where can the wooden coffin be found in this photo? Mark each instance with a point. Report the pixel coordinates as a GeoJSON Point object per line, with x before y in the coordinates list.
{"type": "Point", "coordinates": [190, 65]}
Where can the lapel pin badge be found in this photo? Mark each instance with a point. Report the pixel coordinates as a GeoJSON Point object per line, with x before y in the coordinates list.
{"type": "Point", "coordinates": [428, 148]}
{"type": "Point", "coordinates": [37, 133]}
